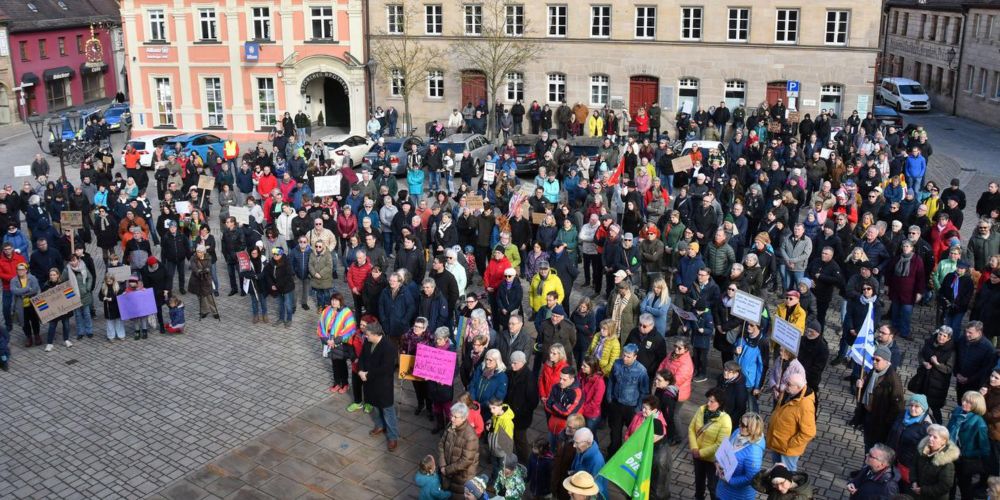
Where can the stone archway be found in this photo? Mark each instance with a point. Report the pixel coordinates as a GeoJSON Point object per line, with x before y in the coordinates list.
{"type": "Point", "coordinates": [336, 99]}
{"type": "Point", "coordinates": [327, 85]}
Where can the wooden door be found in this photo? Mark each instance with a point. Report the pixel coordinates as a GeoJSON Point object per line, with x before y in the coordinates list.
{"type": "Point", "coordinates": [473, 88]}
{"type": "Point", "coordinates": [643, 92]}
{"type": "Point", "coordinates": [775, 91]}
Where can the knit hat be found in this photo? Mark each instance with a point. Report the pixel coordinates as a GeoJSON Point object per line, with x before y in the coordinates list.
{"type": "Point", "coordinates": [558, 310]}
{"type": "Point", "coordinates": [883, 352]}
{"type": "Point", "coordinates": [510, 461]}
{"type": "Point", "coordinates": [806, 281]}
{"type": "Point", "coordinates": [780, 472]}
{"type": "Point", "coordinates": [919, 399]}
{"type": "Point", "coordinates": [963, 264]}
{"type": "Point", "coordinates": [498, 248]}
{"type": "Point", "coordinates": [544, 264]}
{"type": "Point", "coordinates": [694, 246]}
{"type": "Point", "coordinates": [151, 261]}
{"type": "Point", "coordinates": [814, 325]}
{"type": "Point", "coordinates": [793, 293]}
{"type": "Point", "coordinates": [277, 251]}
{"type": "Point", "coordinates": [730, 218]}
{"type": "Point", "coordinates": [763, 237]}
{"type": "Point", "coordinates": [476, 486]}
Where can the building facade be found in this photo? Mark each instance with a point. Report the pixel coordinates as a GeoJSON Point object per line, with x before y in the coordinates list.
{"type": "Point", "coordinates": [234, 67]}
{"type": "Point", "coordinates": [8, 96]}
{"type": "Point", "coordinates": [952, 48]}
{"type": "Point", "coordinates": [683, 54]}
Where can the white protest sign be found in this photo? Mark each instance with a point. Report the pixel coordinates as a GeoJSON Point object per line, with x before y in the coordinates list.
{"type": "Point", "coordinates": [241, 214]}
{"type": "Point", "coordinates": [489, 172]}
{"type": "Point", "coordinates": [22, 170]}
{"type": "Point", "coordinates": [786, 335]}
{"type": "Point", "coordinates": [825, 153]}
{"type": "Point", "coordinates": [725, 456]}
{"type": "Point", "coordinates": [328, 185]}
{"type": "Point", "coordinates": [183, 207]}
{"type": "Point", "coordinates": [119, 273]}
{"type": "Point", "coordinates": [747, 307]}
{"type": "Point", "coordinates": [684, 315]}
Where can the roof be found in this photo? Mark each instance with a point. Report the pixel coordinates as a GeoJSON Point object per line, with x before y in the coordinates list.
{"type": "Point", "coordinates": [50, 14]}
{"type": "Point", "coordinates": [942, 5]}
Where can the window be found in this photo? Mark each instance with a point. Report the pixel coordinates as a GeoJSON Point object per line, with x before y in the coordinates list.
{"type": "Point", "coordinates": [645, 23]}
{"type": "Point", "coordinates": [932, 31]}
{"type": "Point", "coordinates": [267, 102]}
{"type": "Point", "coordinates": [4, 47]}
{"type": "Point", "coordinates": [600, 21]}
{"type": "Point", "coordinates": [515, 86]}
{"type": "Point", "coordinates": [93, 86]}
{"type": "Point", "coordinates": [42, 49]}
{"type": "Point", "coordinates": [975, 25]}
{"type": "Point", "coordinates": [473, 20]}
{"type": "Point", "coordinates": [938, 80]}
{"type": "Point", "coordinates": [514, 24]}
{"type": "Point", "coordinates": [970, 81]}
{"type": "Point", "coordinates": [261, 23]}
{"type": "Point", "coordinates": [739, 25]}
{"type": "Point", "coordinates": [687, 99]}
{"type": "Point", "coordinates": [736, 93]}
{"type": "Point", "coordinates": [895, 22]}
{"type": "Point", "coordinates": [433, 19]}
{"type": "Point", "coordinates": [394, 19]}
{"type": "Point", "coordinates": [164, 102]}
{"type": "Point", "coordinates": [691, 23]}
{"type": "Point", "coordinates": [323, 23]}
{"type": "Point", "coordinates": [831, 98]}
{"type": "Point", "coordinates": [906, 23]}
{"type": "Point", "coordinates": [22, 49]}
{"type": "Point", "coordinates": [983, 81]}
{"type": "Point", "coordinates": [79, 44]}
{"type": "Point", "coordinates": [600, 89]}
{"type": "Point", "coordinates": [62, 45]}
{"type": "Point", "coordinates": [786, 29]}
{"type": "Point", "coordinates": [56, 95]}
{"type": "Point", "coordinates": [923, 27]}
{"type": "Point", "coordinates": [435, 84]}
{"type": "Point", "coordinates": [557, 87]}
{"type": "Point", "coordinates": [996, 85]}
{"type": "Point", "coordinates": [157, 25]}
{"type": "Point", "coordinates": [207, 24]}
{"type": "Point", "coordinates": [397, 84]}
{"type": "Point", "coordinates": [836, 27]}
{"type": "Point", "coordinates": [213, 102]}
{"type": "Point", "coordinates": [557, 20]}
{"type": "Point", "coordinates": [989, 26]}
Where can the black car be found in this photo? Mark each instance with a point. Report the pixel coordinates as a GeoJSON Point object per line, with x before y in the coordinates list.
{"type": "Point", "coordinates": [586, 146]}
{"type": "Point", "coordinates": [527, 160]}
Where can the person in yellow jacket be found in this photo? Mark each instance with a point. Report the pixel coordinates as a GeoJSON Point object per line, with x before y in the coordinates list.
{"type": "Point", "coordinates": [545, 281]}
{"type": "Point", "coordinates": [230, 152]}
{"type": "Point", "coordinates": [793, 424]}
{"type": "Point", "coordinates": [709, 427]}
{"type": "Point", "coordinates": [595, 125]}
{"type": "Point", "coordinates": [605, 347]}
{"type": "Point", "coordinates": [501, 436]}
{"type": "Point", "coordinates": [791, 311]}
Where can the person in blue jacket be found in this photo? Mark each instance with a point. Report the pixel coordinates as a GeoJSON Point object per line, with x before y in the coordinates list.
{"type": "Point", "coordinates": [916, 167]}
{"type": "Point", "coordinates": [753, 353]}
{"type": "Point", "coordinates": [748, 447]}
{"type": "Point", "coordinates": [429, 481]}
{"type": "Point", "coordinates": [968, 430]}
{"type": "Point", "coordinates": [588, 458]}
{"type": "Point", "coordinates": [298, 258]}
{"type": "Point", "coordinates": [16, 238]}
{"type": "Point", "coordinates": [489, 380]}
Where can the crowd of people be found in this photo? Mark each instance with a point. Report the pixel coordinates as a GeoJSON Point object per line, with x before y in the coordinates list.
{"type": "Point", "coordinates": [837, 225]}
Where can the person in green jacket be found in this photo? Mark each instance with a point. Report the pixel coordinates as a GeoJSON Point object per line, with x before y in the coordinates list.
{"type": "Point", "coordinates": [569, 235]}
{"type": "Point", "coordinates": [946, 266]}
{"type": "Point", "coordinates": [510, 250]}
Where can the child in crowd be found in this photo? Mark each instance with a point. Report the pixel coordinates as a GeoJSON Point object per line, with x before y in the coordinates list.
{"type": "Point", "coordinates": [540, 469]}
{"type": "Point", "coordinates": [441, 395]}
{"type": "Point", "coordinates": [510, 482]}
{"type": "Point", "coordinates": [429, 481]}
{"type": "Point", "coordinates": [475, 414]}
{"type": "Point", "coordinates": [176, 309]}
{"type": "Point", "coordinates": [109, 298]}
{"type": "Point", "coordinates": [501, 435]}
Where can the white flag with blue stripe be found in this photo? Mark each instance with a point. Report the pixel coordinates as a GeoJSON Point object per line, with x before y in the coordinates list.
{"type": "Point", "coordinates": [863, 349]}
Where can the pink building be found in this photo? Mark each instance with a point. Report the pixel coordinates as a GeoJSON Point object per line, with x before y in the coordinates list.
{"type": "Point", "coordinates": [51, 49]}
{"type": "Point", "coordinates": [235, 67]}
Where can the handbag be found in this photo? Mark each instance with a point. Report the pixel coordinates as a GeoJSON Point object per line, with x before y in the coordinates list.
{"type": "Point", "coordinates": [917, 381]}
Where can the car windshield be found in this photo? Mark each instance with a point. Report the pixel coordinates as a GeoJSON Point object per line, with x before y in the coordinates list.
{"type": "Point", "coordinates": [911, 90]}
{"type": "Point", "coordinates": [585, 150]}
{"type": "Point", "coordinates": [455, 147]}
{"type": "Point", "coordinates": [138, 145]}
{"type": "Point", "coordinates": [333, 144]}
{"type": "Point", "coordinates": [523, 148]}
{"type": "Point", "coordinates": [114, 112]}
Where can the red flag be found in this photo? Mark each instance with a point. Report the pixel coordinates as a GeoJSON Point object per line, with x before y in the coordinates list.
{"type": "Point", "coordinates": [618, 172]}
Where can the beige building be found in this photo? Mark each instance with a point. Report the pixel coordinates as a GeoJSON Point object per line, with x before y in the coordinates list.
{"type": "Point", "coordinates": [952, 47]}
{"type": "Point", "coordinates": [626, 54]}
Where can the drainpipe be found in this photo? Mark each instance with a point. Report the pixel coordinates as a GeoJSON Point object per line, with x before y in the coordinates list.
{"type": "Point", "coordinates": [880, 64]}
{"type": "Point", "coordinates": [369, 77]}
{"type": "Point", "coordinates": [958, 69]}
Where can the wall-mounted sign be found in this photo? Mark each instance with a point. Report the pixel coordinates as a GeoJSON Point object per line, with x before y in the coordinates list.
{"type": "Point", "coordinates": [251, 51]}
{"type": "Point", "coordinates": [321, 74]}
{"type": "Point", "coordinates": [157, 52]}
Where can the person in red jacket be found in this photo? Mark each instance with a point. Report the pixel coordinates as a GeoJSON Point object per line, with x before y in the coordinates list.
{"type": "Point", "coordinates": [565, 399]}
{"type": "Point", "coordinates": [266, 182]}
{"type": "Point", "coordinates": [592, 385]}
{"type": "Point", "coordinates": [9, 259]}
{"type": "Point", "coordinates": [359, 271]}
{"type": "Point", "coordinates": [493, 277]}
{"type": "Point", "coordinates": [642, 124]}
{"type": "Point", "coordinates": [941, 234]}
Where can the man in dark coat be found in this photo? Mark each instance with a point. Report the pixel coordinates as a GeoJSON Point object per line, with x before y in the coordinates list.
{"type": "Point", "coordinates": [825, 272]}
{"type": "Point", "coordinates": [734, 389]}
{"type": "Point", "coordinates": [652, 346]}
{"type": "Point", "coordinates": [411, 257]}
{"type": "Point", "coordinates": [377, 370]}
{"type": "Point", "coordinates": [508, 297]}
{"type": "Point", "coordinates": [155, 276]}
{"type": "Point", "coordinates": [974, 359]}
{"type": "Point", "coordinates": [445, 282]}
{"type": "Point", "coordinates": [522, 397]}
{"type": "Point", "coordinates": [566, 269]}
{"type": "Point", "coordinates": [174, 252]}
{"type": "Point", "coordinates": [813, 354]}
{"type": "Point", "coordinates": [881, 398]}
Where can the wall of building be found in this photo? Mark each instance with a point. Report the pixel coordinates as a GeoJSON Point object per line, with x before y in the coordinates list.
{"type": "Point", "coordinates": [917, 46]}
{"type": "Point", "coordinates": [979, 97]}
{"type": "Point", "coordinates": [8, 97]}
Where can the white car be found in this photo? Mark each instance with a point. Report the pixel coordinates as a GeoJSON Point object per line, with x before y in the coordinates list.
{"type": "Point", "coordinates": [904, 94]}
{"type": "Point", "coordinates": [145, 146]}
{"type": "Point", "coordinates": [338, 146]}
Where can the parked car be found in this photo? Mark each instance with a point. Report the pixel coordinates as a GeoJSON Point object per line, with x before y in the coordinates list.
{"type": "Point", "coordinates": [396, 151]}
{"type": "Point", "coordinates": [198, 142]}
{"type": "Point", "coordinates": [117, 116]}
{"type": "Point", "coordinates": [478, 145]}
{"type": "Point", "coordinates": [81, 125]}
{"type": "Point", "coordinates": [527, 160]}
{"type": "Point", "coordinates": [704, 146]}
{"type": "Point", "coordinates": [145, 146]}
{"type": "Point", "coordinates": [340, 145]}
{"type": "Point", "coordinates": [586, 146]}
{"type": "Point", "coordinates": [887, 116]}
{"type": "Point", "coordinates": [904, 94]}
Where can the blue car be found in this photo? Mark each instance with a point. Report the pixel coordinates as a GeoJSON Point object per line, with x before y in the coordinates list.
{"type": "Point", "coordinates": [116, 116]}
{"type": "Point", "coordinates": [198, 142]}
{"type": "Point", "coordinates": [84, 118]}
{"type": "Point", "coordinates": [396, 151]}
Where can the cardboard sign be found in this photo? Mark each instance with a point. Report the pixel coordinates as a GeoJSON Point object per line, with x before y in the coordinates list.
{"type": "Point", "coordinates": [241, 214]}
{"type": "Point", "coordinates": [825, 153]}
{"type": "Point", "coordinates": [406, 362]}
{"type": "Point", "coordinates": [474, 202]}
{"type": "Point", "coordinates": [435, 364]}
{"type": "Point", "coordinates": [206, 182]}
{"type": "Point", "coordinates": [684, 315]}
{"type": "Point", "coordinates": [786, 335]}
{"type": "Point", "coordinates": [489, 172]}
{"type": "Point", "coordinates": [22, 170]}
{"type": "Point", "coordinates": [747, 307]}
{"type": "Point", "coordinates": [328, 185]}
{"type": "Point", "coordinates": [137, 304]}
{"type": "Point", "coordinates": [793, 116]}
{"type": "Point", "coordinates": [725, 456]}
{"type": "Point", "coordinates": [183, 207]}
{"type": "Point", "coordinates": [243, 259]}
{"type": "Point", "coordinates": [119, 273]}
{"type": "Point", "coordinates": [682, 163]}
{"type": "Point", "coordinates": [71, 219]}
{"type": "Point", "coordinates": [537, 218]}
{"type": "Point", "coordinates": [56, 301]}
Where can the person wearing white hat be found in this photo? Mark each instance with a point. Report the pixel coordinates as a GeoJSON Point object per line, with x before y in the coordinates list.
{"type": "Point", "coordinates": [581, 486]}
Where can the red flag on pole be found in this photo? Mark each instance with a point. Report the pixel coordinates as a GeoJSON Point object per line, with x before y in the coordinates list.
{"type": "Point", "coordinates": [618, 172]}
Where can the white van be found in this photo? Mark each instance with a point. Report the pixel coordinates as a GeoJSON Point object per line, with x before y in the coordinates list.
{"type": "Point", "coordinates": [904, 94]}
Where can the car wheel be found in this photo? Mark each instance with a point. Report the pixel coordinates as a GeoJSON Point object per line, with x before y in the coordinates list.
{"type": "Point", "coordinates": [899, 108]}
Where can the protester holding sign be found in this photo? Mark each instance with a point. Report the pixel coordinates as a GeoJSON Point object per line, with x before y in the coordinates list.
{"type": "Point", "coordinates": [747, 445]}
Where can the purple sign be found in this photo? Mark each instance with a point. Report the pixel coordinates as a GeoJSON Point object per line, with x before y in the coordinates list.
{"type": "Point", "coordinates": [136, 304]}
{"type": "Point", "coordinates": [435, 364]}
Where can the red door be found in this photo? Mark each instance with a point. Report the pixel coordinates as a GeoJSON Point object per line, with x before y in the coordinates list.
{"type": "Point", "coordinates": [775, 91]}
{"type": "Point", "coordinates": [473, 87]}
{"type": "Point", "coordinates": [643, 91]}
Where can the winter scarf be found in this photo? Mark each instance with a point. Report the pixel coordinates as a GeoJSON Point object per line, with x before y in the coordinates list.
{"type": "Point", "coordinates": [903, 265]}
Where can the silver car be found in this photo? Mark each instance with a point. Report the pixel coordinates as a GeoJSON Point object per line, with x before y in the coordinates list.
{"type": "Point", "coordinates": [478, 145]}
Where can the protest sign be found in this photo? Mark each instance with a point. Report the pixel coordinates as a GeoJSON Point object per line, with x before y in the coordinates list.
{"type": "Point", "coordinates": [406, 367]}
{"type": "Point", "coordinates": [71, 219]}
{"type": "Point", "coordinates": [725, 456]}
{"type": "Point", "coordinates": [537, 218]}
{"type": "Point", "coordinates": [182, 207]}
{"type": "Point", "coordinates": [825, 153]}
{"type": "Point", "coordinates": [681, 163]}
{"type": "Point", "coordinates": [119, 273]}
{"type": "Point", "coordinates": [681, 313]}
{"type": "Point", "coordinates": [489, 172]}
{"type": "Point", "coordinates": [474, 202]}
{"type": "Point", "coordinates": [786, 335]}
{"type": "Point", "coordinates": [435, 364]}
{"type": "Point", "coordinates": [747, 307]}
{"type": "Point", "coordinates": [241, 214]}
{"type": "Point", "coordinates": [206, 182]}
{"type": "Point", "coordinates": [243, 259]}
{"type": "Point", "coordinates": [328, 185]}
{"type": "Point", "coordinates": [22, 170]}
{"type": "Point", "coordinates": [56, 301]}
{"type": "Point", "coordinates": [137, 304]}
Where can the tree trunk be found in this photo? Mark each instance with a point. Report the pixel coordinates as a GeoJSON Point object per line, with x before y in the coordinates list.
{"type": "Point", "coordinates": [406, 109]}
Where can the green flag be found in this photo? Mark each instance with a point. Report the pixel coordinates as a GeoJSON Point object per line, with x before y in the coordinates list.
{"type": "Point", "coordinates": [632, 466]}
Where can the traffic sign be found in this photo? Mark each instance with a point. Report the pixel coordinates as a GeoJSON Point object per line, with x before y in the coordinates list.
{"type": "Point", "coordinates": [792, 88]}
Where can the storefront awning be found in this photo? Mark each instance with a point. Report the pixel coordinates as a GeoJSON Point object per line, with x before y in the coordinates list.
{"type": "Point", "coordinates": [86, 70]}
{"type": "Point", "coordinates": [58, 73]}
{"type": "Point", "coordinates": [29, 78]}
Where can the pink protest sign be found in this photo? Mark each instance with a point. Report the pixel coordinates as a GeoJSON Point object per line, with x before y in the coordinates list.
{"type": "Point", "coordinates": [435, 364]}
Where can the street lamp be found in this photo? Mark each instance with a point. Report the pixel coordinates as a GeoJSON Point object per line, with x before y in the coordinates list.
{"type": "Point", "coordinates": [55, 127]}
{"type": "Point", "coordinates": [951, 58]}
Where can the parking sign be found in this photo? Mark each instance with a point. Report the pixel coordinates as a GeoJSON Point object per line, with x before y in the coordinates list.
{"type": "Point", "coordinates": [792, 88]}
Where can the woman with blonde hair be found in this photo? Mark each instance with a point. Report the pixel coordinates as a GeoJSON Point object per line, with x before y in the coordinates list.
{"type": "Point", "coordinates": [968, 430]}
{"type": "Point", "coordinates": [605, 347]}
{"type": "Point", "coordinates": [657, 305]}
{"type": "Point", "coordinates": [748, 444]}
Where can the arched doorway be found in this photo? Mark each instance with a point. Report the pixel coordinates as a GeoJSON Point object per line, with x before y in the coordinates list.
{"type": "Point", "coordinates": [327, 93]}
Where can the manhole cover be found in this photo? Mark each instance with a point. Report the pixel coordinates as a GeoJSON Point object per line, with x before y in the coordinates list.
{"type": "Point", "coordinates": [72, 362]}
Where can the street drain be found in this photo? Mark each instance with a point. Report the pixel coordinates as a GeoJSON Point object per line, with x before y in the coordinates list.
{"type": "Point", "coordinates": [72, 362]}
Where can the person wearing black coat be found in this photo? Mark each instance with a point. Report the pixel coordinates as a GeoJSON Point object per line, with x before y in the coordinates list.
{"type": "Point", "coordinates": [411, 257]}
{"type": "Point", "coordinates": [652, 346]}
{"type": "Point", "coordinates": [509, 298]}
{"type": "Point", "coordinates": [445, 282]}
{"type": "Point", "coordinates": [987, 307]}
{"type": "Point", "coordinates": [522, 398]}
{"type": "Point", "coordinates": [954, 303]}
{"type": "Point", "coordinates": [371, 291]}
{"type": "Point", "coordinates": [933, 378]}
{"type": "Point", "coordinates": [904, 436]}
{"type": "Point", "coordinates": [734, 389]}
{"type": "Point", "coordinates": [857, 311]}
{"type": "Point", "coordinates": [43, 259]}
{"type": "Point", "coordinates": [281, 278]}
{"type": "Point", "coordinates": [826, 274]}
{"type": "Point", "coordinates": [105, 228]}
{"type": "Point", "coordinates": [175, 250]}
{"type": "Point", "coordinates": [155, 276]}
{"type": "Point", "coordinates": [813, 355]}
{"type": "Point", "coordinates": [377, 370]}
{"type": "Point", "coordinates": [433, 306]}
{"type": "Point", "coordinates": [566, 269]}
